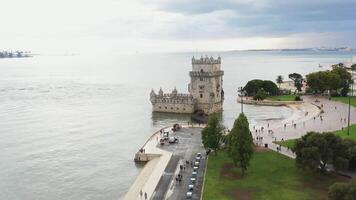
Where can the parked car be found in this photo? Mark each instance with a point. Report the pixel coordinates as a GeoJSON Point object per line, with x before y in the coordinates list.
{"type": "Point", "coordinates": [173, 139]}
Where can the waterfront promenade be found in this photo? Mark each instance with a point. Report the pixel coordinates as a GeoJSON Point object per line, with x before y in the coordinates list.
{"type": "Point", "coordinates": [155, 179]}
{"type": "Point", "coordinates": [317, 113]}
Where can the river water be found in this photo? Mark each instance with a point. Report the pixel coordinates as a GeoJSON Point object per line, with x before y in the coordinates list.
{"type": "Point", "coordinates": [70, 125]}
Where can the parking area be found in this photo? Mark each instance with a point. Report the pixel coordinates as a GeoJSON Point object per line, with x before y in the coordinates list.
{"type": "Point", "coordinates": [183, 177]}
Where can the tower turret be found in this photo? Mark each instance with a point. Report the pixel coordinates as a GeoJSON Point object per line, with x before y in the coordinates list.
{"type": "Point", "coordinates": [160, 92]}
{"type": "Point", "coordinates": [174, 91]}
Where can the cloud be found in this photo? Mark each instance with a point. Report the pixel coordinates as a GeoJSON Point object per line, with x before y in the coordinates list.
{"type": "Point", "coordinates": [268, 18]}
{"type": "Point", "coordinates": [175, 24]}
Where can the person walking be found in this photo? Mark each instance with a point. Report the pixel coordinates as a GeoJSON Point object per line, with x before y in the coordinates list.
{"type": "Point", "coordinates": [145, 195]}
{"type": "Point", "coordinates": [141, 193]}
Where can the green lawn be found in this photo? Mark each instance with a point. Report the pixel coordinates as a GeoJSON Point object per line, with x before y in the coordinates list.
{"type": "Point", "coordinates": [345, 100]}
{"type": "Point", "coordinates": [281, 98]}
{"type": "Point", "coordinates": [343, 133]}
{"type": "Point", "coordinates": [270, 176]}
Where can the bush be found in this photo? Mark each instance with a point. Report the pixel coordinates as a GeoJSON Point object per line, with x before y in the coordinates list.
{"type": "Point", "coordinates": [343, 191]}
{"type": "Point", "coordinates": [260, 95]}
{"type": "Point", "coordinates": [298, 98]}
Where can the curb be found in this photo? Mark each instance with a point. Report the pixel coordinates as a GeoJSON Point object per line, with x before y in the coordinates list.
{"type": "Point", "coordinates": [202, 189]}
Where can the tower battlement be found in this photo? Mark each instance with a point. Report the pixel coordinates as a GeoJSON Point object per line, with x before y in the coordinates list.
{"type": "Point", "coordinates": [206, 60]}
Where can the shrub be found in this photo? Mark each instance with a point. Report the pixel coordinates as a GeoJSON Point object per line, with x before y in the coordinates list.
{"type": "Point", "coordinates": [298, 98]}
{"type": "Point", "coordinates": [342, 191]}
{"type": "Point", "coordinates": [260, 95]}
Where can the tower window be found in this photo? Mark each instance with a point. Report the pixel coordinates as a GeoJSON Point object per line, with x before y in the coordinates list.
{"type": "Point", "coordinates": [201, 95]}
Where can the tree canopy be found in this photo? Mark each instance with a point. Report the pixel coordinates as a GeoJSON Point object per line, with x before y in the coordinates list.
{"type": "Point", "coordinates": [315, 151]}
{"type": "Point", "coordinates": [343, 191]}
{"type": "Point", "coordinates": [240, 143]}
{"type": "Point", "coordinates": [298, 80]}
{"type": "Point", "coordinates": [337, 81]}
{"type": "Point", "coordinates": [212, 133]}
{"type": "Point", "coordinates": [253, 86]}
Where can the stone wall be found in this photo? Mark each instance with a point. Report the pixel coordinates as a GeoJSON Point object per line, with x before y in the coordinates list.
{"type": "Point", "coordinates": [173, 108]}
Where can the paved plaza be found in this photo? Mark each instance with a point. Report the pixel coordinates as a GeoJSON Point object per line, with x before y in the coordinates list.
{"type": "Point", "coordinates": [331, 117]}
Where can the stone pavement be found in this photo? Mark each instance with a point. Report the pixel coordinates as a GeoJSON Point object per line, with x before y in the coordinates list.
{"type": "Point", "coordinates": [158, 173]}
{"type": "Point", "coordinates": [333, 116]}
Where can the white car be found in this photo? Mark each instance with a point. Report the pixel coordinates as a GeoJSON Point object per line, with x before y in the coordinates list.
{"type": "Point", "coordinates": [173, 139]}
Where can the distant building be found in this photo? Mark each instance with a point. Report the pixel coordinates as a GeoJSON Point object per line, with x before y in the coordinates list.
{"type": "Point", "coordinates": [205, 90]}
{"type": "Point", "coordinates": [288, 87]}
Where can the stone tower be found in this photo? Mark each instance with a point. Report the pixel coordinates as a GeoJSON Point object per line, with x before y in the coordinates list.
{"type": "Point", "coordinates": [206, 84]}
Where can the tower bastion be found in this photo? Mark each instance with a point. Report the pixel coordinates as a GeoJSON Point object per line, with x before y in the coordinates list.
{"type": "Point", "coordinates": [205, 90]}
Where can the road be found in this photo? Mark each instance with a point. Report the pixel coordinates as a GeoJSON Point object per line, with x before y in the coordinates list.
{"type": "Point", "coordinates": [185, 150]}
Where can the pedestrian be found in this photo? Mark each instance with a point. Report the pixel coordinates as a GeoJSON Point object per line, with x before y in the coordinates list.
{"type": "Point", "coordinates": [141, 193]}
{"type": "Point", "coordinates": [145, 195]}
{"type": "Point", "coordinates": [285, 125]}
{"type": "Point", "coordinates": [184, 168]}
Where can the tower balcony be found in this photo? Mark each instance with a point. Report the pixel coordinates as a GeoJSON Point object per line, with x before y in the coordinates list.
{"type": "Point", "coordinates": [205, 74]}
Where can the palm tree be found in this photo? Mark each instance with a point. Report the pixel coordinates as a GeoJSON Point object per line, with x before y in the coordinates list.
{"type": "Point", "coordinates": [279, 80]}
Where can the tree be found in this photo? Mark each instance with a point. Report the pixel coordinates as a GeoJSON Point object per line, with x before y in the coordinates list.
{"type": "Point", "coordinates": [253, 86]}
{"type": "Point", "coordinates": [298, 80]}
{"type": "Point", "coordinates": [342, 191]}
{"type": "Point", "coordinates": [345, 77]}
{"type": "Point", "coordinates": [312, 152]}
{"type": "Point", "coordinates": [240, 143]}
{"type": "Point", "coordinates": [353, 67]}
{"type": "Point", "coordinates": [260, 95]}
{"type": "Point", "coordinates": [270, 87]}
{"type": "Point", "coordinates": [279, 80]}
{"type": "Point", "coordinates": [212, 133]}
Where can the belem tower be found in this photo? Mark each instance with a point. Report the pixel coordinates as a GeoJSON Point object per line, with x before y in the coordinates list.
{"type": "Point", "coordinates": [205, 90]}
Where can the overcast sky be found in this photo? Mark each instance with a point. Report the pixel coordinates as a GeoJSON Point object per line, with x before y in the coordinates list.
{"type": "Point", "coordinates": [175, 25]}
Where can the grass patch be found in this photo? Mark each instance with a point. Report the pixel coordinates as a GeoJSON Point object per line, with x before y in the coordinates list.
{"type": "Point", "coordinates": [286, 143]}
{"type": "Point", "coordinates": [345, 100]}
{"type": "Point", "coordinates": [343, 133]}
{"type": "Point", "coordinates": [282, 98]}
{"type": "Point", "coordinates": [270, 176]}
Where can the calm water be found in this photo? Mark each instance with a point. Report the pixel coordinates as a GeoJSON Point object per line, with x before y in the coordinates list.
{"type": "Point", "coordinates": [70, 125]}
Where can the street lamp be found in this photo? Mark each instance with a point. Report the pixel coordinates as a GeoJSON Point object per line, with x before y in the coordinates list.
{"type": "Point", "coordinates": [348, 120]}
{"type": "Point", "coordinates": [241, 95]}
